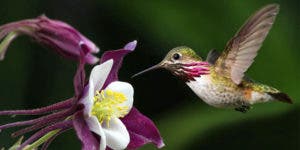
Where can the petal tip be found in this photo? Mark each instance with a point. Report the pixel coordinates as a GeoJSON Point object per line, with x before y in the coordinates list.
{"type": "Point", "coordinates": [91, 59]}
{"type": "Point", "coordinates": [96, 50]}
{"type": "Point", "coordinates": [131, 45]}
{"type": "Point", "coordinates": [110, 62]}
{"type": "Point", "coordinates": [161, 144]}
{"type": "Point", "coordinates": [94, 61]}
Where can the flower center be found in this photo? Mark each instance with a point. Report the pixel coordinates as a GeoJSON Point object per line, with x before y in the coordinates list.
{"type": "Point", "coordinates": [107, 105]}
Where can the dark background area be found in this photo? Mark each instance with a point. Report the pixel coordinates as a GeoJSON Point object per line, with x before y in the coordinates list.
{"type": "Point", "coordinates": [33, 76]}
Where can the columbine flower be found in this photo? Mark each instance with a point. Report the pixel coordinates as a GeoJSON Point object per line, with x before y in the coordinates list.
{"type": "Point", "coordinates": [104, 107]}
{"type": "Point", "coordinates": [108, 110]}
{"type": "Point", "coordinates": [53, 33]}
{"type": "Point", "coordinates": [101, 112]}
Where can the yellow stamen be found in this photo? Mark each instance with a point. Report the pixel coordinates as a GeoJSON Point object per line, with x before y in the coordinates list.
{"type": "Point", "coordinates": [107, 106]}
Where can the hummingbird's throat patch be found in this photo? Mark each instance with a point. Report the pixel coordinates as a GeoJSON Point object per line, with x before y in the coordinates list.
{"type": "Point", "coordinates": [191, 70]}
{"type": "Point", "coordinates": [108, 105]}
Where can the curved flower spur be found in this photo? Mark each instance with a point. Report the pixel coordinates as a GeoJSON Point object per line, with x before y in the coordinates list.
{"type": "Point", "coordinates": [56, 34]}
{"type": "Point", "coordinates": [101, 112]}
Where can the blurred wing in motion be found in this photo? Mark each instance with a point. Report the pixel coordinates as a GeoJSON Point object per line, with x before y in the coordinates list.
{"type": "Point", "coordinates": [212, 56]}
{"type": "Point", "coordinates": [241, 50]}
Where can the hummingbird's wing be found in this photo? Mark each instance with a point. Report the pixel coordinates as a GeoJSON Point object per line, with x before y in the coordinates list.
{"type": "Point", "coordinates": [212, 56]}
{"type": "Point", "coordinates": [241, 50]}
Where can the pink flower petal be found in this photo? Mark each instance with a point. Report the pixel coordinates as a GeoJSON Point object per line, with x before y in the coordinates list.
{"type": "Point", "coordinates": [88, 140]}
{"type": "Point", "coordinates": [141, 130]}
{"type": "Point", "coordinates": [117, 56]}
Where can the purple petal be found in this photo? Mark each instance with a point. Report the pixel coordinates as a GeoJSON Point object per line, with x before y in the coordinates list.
{"type": "Point", "coordinates": [141, 130]}
{"type": "Point", "coordinates": [88, 140]}
{"type": "Point", "coordinates": [117, 56]}
{"type": "Point", "coordinates": [131, 45]}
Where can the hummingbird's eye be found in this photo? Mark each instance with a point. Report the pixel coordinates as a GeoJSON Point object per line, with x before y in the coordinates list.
{"type": "Point", "coordinates": [176, 56]}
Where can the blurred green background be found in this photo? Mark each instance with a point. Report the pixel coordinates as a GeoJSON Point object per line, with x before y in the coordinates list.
{"type": "Point", "coordinates": [33, 76]}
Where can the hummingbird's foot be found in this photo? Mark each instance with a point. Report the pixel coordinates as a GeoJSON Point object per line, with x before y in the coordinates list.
{"type": "Point", "coordinates": [243, 108]}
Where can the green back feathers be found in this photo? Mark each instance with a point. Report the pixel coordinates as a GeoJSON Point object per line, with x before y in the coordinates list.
{"type": "Point", "coordinates": [263, 88]}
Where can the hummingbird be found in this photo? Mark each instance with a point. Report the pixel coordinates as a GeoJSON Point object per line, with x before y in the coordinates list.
{"type": "Point", "coordinates": [220, 80]}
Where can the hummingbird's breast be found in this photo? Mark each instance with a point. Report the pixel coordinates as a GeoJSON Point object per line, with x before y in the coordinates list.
{"type": "Point", "coordinates": [216, 94]}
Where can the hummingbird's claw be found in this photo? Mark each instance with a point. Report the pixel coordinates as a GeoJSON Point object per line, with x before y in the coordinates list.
{"type": "Point", "coordinates": [243, 108]}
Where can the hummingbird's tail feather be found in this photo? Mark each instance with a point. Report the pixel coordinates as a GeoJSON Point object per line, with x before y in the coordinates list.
{"type": "Point", "coordinates": [281, 97]}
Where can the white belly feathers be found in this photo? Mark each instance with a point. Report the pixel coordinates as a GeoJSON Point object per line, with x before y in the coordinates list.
{"type": "Point", "coordinates": [214, 95]}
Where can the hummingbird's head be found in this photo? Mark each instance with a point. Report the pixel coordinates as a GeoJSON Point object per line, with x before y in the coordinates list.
{"type": "Point", "coordinates": [182, 62]}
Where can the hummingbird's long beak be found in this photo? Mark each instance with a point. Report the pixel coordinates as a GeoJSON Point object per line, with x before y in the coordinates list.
{"type": "Point", "coordinates": [148, 69]}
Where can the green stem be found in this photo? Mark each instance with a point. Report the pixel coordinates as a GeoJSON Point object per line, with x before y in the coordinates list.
{"type": "Point", "coordinates": [42, 140]}
{"type": "Point", "coordinates": [7, 40]}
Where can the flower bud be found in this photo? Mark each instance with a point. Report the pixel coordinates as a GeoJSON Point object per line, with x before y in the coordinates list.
{"type": "Point", "coordinates": [58, 35]}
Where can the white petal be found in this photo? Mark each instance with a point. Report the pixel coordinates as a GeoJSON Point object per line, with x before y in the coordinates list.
{"type": "Point", "coordinates": [126, 89]}
{"type": "Point", "coordinates": [95, 127]}
{"type": "Point", "coordinates": [100, 73]}
{"type": "Point", "coordinates": [117, 136]}
{"type": "Point", "coordinates": [87, 99]}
